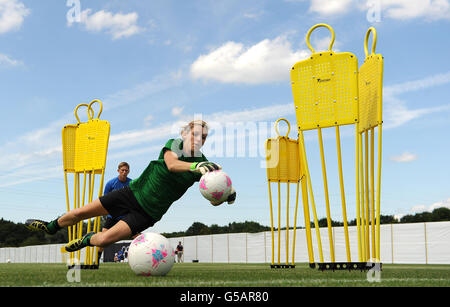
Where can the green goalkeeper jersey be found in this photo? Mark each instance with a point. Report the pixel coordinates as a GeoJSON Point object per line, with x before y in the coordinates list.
{"type": "Point", "coordinates": [157, 187]}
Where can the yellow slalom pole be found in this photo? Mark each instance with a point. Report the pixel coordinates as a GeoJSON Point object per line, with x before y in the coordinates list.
{"type": "Point", "coordinates": [80, 226]}
{"type": "Point", "coordinates": [327, 200]}
{"type": "Point", "coordinates": [83, 203]}
{"type": "Point", "coordinates": [307, 219]}
{"type": "Point", "coordinates": [271, 207]}
{"type": "Point", "coordinates": [287, 225]}
{"type": "Point", "coordinates": [313, 204]}
{"type": "Point", "coordinates": [363, 221]}
{"type": "Point", "coordinates": [92, 228]}
{"type": "Point", "coordinates": [295, 224]}
{"type": "Point", "coordinates": [341, 183]}
{"type": "Point", "coordinates": [306, 215]}
{"type": "Point", "coordinates": [279, 222]}
{"type": "Point", "coordinates": [80, 223]}
{"type": "Point", "coordinates": [91, 193]}
{"type": "Point", "coordinates": [97, 219]}
{"type": "Point", "coordinates": [378, 190]}
{"type": "Point", "coordinates": [358, 213]}
{"type": "Point", "coordinates": [271, 223]}
{"type": "Point", "coordinates": [74, 228]}
{"type": "Point", "coordinates": [372, 192]}
{"type": "Point", "coordinates": [75, 206]}
{"type": "Point", "coordinates": [366, 158]}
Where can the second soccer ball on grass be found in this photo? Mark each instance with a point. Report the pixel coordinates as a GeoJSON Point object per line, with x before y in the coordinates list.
{"type": "Point", "coordinates": [150, 254]}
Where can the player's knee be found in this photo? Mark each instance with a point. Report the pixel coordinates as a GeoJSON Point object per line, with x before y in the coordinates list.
{"type": "Point", "coordinates": [104, 239]}
{"type": "Point", "coordinates": [79, 215]}
{"type": "Point", "coordinates": [98, 240]}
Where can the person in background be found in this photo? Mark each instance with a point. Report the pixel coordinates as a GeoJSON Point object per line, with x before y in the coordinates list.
{"type": "Point", "coordinates": [122, 180]}
{"type": "Point", "coordinates": [179, 252]}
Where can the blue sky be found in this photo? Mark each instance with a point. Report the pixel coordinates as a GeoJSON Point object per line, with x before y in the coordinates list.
{"type": "Point", "coordinates": [158, 64]}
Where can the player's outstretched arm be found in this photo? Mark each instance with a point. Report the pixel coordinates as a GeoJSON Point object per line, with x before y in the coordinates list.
{"type": "Point", "coordinates": [204, 167]}
{"type": "Point", "coordinates": [175, 165]}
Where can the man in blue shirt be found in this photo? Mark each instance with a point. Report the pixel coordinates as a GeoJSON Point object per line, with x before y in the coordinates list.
{"type": "Point", "coordinates": [114, 184]}
{"type": "Point", "coordinates": [120, 181]}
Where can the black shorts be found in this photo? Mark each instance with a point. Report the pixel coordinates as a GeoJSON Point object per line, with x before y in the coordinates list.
{"type": "Point", "coordinates": [110, 221]}
{"type": "Point", "coordinates": [122, 205]}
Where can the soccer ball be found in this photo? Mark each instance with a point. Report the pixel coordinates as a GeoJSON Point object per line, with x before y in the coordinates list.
{"type": "Point", "coordinates": [150, 254]}
{"type": "Point", "coordinates": [215, 186]}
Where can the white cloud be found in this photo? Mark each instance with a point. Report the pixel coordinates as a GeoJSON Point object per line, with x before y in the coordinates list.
{"type": "Point", "coordinates": [7, 61]}
{"type": "Point", "coordinates": [445, 204]}
{"type": "Point", "coordinates": [256, 114]}
{"type": "Point", "coordinates": [409, 9]}
{"type": "Point", "coordinates": [148, 119]}
{"type": "Point", "coordinates": [219, 123]}
{"type": "Point", "coordinates": [393, 9]}
{"type": "Point", "coordinates": [117, 25]}
{"type": "Point", "coordinates": [126, 139]}
{"type": "Point", "coordinates": [330, 7]}
{"type": "Point", "coordinates": [266, 61]}
{"type": "Point", "coordinates": [425, 208]}
{"type": "Point", "coordinates": [435, 80]}
{"type": "Point", "coordinates": [12, 15]}
{"type": "Point", "coordinates": [396, 112]}
{"type": "Point", "coordinates": [404, 157]}
{"type": "Point", "coordinates": [253, 15]}
{"type": "Point", "coordinates": [430, 208]}
{"type": "Point", "coordinates": [323, 43]}
{"type": "Point", "coordinates": [176, 111]}
{"type": "Point", "coordinates": [157, 84]}
{"type": "Point", "coordinates": [30, 174]}
{"type": "Point", "coordinates": [37, 147]}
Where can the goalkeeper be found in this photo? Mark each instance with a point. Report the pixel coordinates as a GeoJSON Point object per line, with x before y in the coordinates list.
{"type": "Point", "coordinates": [148, 197]}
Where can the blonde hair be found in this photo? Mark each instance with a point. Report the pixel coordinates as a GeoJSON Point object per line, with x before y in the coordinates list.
{"type": "Point", "coordinates": [191, 125]}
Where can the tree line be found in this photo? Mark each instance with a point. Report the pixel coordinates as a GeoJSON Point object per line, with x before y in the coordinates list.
{"type": "Point", "coordinates": [16, 234]}
{"type": "Point", "coordinates": [197, 228]}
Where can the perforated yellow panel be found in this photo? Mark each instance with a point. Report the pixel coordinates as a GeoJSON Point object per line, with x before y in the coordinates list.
{"type": "Point", "coordinates": [85, 145]}
{"type": "Point", "coordinates": [91, 145]}
{"type": "Point", "coordinates": [325, 90]}
{"type": "Point", "coordinates": [68, 142]}
{"type": "Point", "coordinates": [370, 92]}
{"type": "Point", "coordinates": [283, 164]}
{"type": "Point", "coordinates": [370, 86]}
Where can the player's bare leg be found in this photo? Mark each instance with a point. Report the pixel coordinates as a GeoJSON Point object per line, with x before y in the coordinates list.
{"type": "Point", "coordinates": [72, 217]}
{"type": "Point", "coordinates": [116, 233]}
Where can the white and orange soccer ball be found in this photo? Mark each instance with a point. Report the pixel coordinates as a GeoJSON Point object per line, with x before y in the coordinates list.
{"type": "Point", "coordinates": [151, 254]}
{"type": "Point", "coordinates": [215, 186]}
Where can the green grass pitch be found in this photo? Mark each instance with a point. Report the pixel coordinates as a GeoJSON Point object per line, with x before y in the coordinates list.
{"type": "Point", "coordinates": [223, 275]}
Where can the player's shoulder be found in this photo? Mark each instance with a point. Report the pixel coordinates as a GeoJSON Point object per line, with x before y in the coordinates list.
{"type": "Point", "coordinates": [174, 145]}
